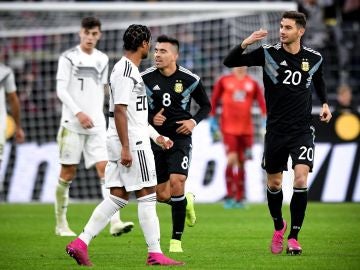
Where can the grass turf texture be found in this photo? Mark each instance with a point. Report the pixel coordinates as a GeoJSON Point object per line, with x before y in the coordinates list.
{"type": "Point", "coordinates": [221, 239]}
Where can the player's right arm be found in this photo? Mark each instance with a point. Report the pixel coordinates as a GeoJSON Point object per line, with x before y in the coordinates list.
{"type": "Point", "coordinates": [121, 123]}
{"type": "Point", "coordinates": [15, 112]}
{"type": "Point", "coordinates": [236, 57]}
{"type": "Point", "coordinates": [254, 37]}
{"type": "Point", "coordinates": [14, 103]}
{"type": "Point", "coordinates": [62, 84]}
{"type": "Point", "coordinates": [121, 88]}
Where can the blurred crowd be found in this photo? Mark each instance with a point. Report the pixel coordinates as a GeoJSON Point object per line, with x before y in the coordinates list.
{"type": "Point", "coordinates": [332, 29]}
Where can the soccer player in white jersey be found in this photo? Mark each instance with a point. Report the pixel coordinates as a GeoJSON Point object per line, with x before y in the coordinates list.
{"type": "Point", "coordinates": [81, 79]}
{"type": "Point", "coordinates": [131, 165]}
{"type": "Point", "coordinates": [8, 91]}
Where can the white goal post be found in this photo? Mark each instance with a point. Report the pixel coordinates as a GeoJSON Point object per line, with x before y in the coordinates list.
{"type": "Point", "coordinates": [34, 34]}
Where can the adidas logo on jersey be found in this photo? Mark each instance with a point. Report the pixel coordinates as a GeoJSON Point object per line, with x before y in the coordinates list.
{"type": "Point", "coordinates": [156, 87]}
{"type": "Point", "coordinates": [283, 63]}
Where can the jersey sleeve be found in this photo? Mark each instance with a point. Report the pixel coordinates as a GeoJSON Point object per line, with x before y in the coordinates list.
{"type": "Point", "coordinates": [62, 83]}
{"type": "Point", "coordinates": [64, 68]}
{"type": "Point", "coordinates": [201, 98]}
{"type": "Point", "coordinates": [215, 96]}
{"type": "Point", "coordinates": [10, 85]}
{"type": "Point", "coordinates": [104, 78]}
{"type": "Point", "coordinates": [122, 87]}
{"type": "Point", "coordinates": [319, 85]}
{"type": "Point", "coordinates": [237, 57]}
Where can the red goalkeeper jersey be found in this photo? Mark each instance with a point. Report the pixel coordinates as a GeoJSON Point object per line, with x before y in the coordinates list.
{"type": "Point", "coordinates": [236, 97]}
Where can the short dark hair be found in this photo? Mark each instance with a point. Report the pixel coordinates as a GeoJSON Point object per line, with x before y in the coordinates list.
{"type": "Point", "coordinates": [90, 22]}
{"type": "Point", "coordinates": [171, 40]}
{"type": "Point", "coordinates": [300, 18]}
{"type": "Point", "coordinates": [134, 36]}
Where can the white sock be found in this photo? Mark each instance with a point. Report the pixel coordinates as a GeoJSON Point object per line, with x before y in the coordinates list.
{"type": "Point", "coordinates": [105, 193]}
{"type": "Point", "coordinates": [149, 222]}
{"type": "Point", "coordinates": [61, 201]}
{"type": "Point", "coordinates": [101, 216]}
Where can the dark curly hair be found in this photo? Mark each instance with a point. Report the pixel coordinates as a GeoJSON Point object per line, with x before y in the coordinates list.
{"type": "Point", "coordinates": [134, 36]}
{"type": "Point", "coordinates": [90, 22]}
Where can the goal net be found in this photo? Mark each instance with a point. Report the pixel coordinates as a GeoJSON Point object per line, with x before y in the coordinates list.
{"type": "Point", "coordinates": [33, 35]}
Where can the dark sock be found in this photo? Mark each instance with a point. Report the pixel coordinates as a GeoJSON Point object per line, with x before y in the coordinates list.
{"type": "Point", "coordinates": [297, 210]}
{"type": "Point", "coordinates": [178, 211]}
{"type": "Point", "coordinates": [275, 198]}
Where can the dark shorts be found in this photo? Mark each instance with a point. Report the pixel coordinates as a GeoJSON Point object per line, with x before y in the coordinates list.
{"type": "Point", "coordinates": [277, 149]}
{"type": "Point", "coordinates": [175, 160]}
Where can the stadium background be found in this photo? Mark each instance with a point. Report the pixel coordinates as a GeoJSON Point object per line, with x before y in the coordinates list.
{"type": "Point", "coordinates": [32, 40]}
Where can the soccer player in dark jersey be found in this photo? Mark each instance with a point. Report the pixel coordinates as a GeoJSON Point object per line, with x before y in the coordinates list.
{"type": "Point", "coordinates": [290, 72]}
{"type": "Point", "coordinates": [170, 89]}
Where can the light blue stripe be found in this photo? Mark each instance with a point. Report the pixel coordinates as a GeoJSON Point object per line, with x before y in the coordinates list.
{"type": "Point", "coordinates": [187, 94]}
{"type": "Point", "coordinates": [270, 67]}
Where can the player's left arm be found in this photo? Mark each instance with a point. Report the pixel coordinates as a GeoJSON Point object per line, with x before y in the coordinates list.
{"type": "Point", "coordinates": [163, 141]}
{"type": "Point", "coordinates": [319, 84]}
{"type": "Point", "coordinates": [201, 98]}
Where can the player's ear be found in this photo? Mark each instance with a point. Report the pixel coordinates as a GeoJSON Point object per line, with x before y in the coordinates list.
{"type": "Point", "coordinates": [302, 31]}
{"type": "Point", "coordinates": [99, 36]}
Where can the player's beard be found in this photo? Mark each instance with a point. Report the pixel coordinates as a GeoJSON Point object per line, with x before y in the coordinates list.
{"type": "Point", "coordinates": [145, 55]}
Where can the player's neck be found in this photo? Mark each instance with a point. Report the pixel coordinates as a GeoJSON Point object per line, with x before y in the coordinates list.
{"type": "Point", "coordinates": [168, 71]}
{"type": "Point", "coordinates": [293, 47]}
{"type": "Point", "coordinates": [86, 50]}
{"type": "Point", "coordinates": [239, 76]}
{"type": "Point", "coordinates": [134, 57]}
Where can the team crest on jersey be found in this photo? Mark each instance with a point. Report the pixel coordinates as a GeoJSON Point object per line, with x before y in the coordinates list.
{"type": "Point", "coordinates": [305, 66]}
{"type": "Point", "coordinates": [178, 87]}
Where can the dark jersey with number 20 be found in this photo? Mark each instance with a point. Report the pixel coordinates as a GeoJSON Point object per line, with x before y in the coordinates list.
{"type": "Point", "coordinates": [288, 82]}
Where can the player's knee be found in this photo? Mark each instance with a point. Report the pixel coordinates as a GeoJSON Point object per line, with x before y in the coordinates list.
{"type": "Point", "coordinates": [161, 198]}
{"type": "Point", "coordinates": [274, 183]}
{"type": "Point", "coordinates": [232, 159]}
{"type": "Point", "coordinates": [300, 181]}
{"type": "Point", "coordinates": [100, 169]}
{"type": "Point", "coordinates": [68, 172]}
{"type": "Point", "coordinates": [178, 184]}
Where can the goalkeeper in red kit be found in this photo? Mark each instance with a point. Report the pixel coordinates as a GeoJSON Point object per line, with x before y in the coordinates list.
{"type": "Point", "coordinates": [236, 93]}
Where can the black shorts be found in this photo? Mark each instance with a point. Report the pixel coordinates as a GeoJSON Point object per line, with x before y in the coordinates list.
{"type": "Point", "coordinates": [175, 160]}
{"type": "Point", "coordinates": [277, 149]}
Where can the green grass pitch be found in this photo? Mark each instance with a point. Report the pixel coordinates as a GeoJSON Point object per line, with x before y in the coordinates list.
{"type": "Point", "coordinates": [221, 239]}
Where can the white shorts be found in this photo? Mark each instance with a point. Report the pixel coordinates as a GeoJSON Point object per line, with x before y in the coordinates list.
{"type": "Point", "coordinates": [72, 145]}
{"type": "Point", "coordinates": [140, 174]}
